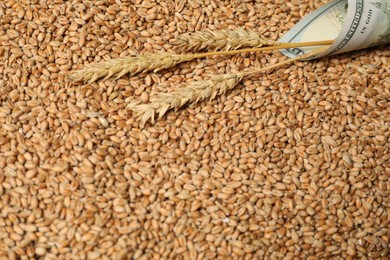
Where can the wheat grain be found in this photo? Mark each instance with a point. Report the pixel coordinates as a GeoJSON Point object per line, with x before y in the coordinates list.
{"type": "Point", "coordinates": [121, 191]}
{"type": "Point", "coordinates": [220, 40]}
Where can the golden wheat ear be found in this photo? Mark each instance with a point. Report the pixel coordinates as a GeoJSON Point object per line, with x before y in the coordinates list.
{"type": "Point", "coordinates": [194, 92]}
{"type": "Point", "coordinates": [129, 65]}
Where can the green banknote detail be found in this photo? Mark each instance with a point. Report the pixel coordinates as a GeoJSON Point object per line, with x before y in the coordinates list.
{"type": "Point", "coordinates": [352, 24]}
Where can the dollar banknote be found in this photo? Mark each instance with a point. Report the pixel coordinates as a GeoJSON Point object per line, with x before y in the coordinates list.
{"type": "Point", "coordinates": [352, 24]}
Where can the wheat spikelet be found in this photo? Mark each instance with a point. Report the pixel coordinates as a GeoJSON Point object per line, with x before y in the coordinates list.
{"type": "Point", "coordinates": [220, 40]}
{"type": "Point", "coordinates": [130, 65]}
{"type": "Point", "coordinates": [194, 92]}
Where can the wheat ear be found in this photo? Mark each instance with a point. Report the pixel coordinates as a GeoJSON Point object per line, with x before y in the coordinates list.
{"type": "Point", "coordinates": [198, 91]}
{"type": "Point", "coordinates": [161, 60]}
{"type": "Point", "coordinates": [129, 65]}
{"type": "Point", "coordinates": [220, 40]}
{"type": "Point", "coordinates": [194, 92]}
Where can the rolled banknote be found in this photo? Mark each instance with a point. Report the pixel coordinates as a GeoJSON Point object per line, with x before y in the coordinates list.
{"type": "Point", "coordinates": [352, 24]}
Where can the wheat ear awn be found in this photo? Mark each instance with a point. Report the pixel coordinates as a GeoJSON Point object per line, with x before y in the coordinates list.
{"type": "Point", "coordinates": [161, 60]}
{"type": "Point", "coordinates": [220, 40]}
{"type": "Point", "coordinates": [198, 91]}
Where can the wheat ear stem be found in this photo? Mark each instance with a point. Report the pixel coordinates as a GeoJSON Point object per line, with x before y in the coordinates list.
{"type": "Point", "coordinates": [279, 64]}
{"type": "Point", "coordinates": [268, 48]}
{"type": "Point", "coordinates": [198, 91]}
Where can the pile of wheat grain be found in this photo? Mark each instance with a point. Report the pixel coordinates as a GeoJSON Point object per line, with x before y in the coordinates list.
{"type": "Point", "coordinates": [291, 164]}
